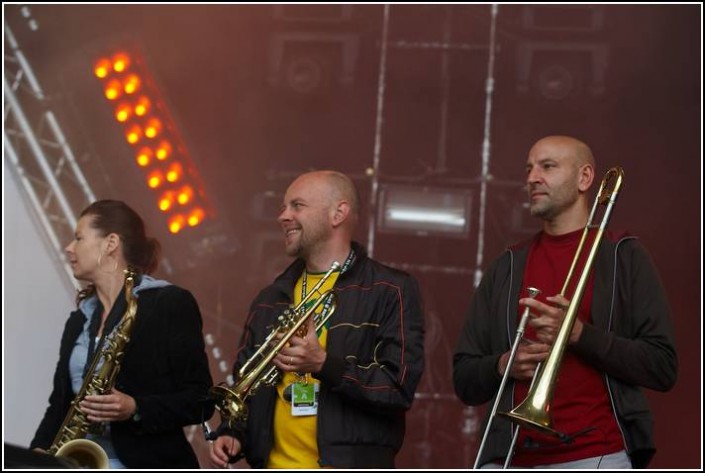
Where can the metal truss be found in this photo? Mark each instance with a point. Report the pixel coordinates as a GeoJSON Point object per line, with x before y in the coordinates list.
{"type": "Point", "coordinates": [440, 167]}
{"type": "Point", "coordinates": [36, 150]}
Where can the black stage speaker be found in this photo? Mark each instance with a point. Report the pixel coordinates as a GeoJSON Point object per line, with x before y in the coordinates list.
{"type": "Point", "coordinates": [20, 457]}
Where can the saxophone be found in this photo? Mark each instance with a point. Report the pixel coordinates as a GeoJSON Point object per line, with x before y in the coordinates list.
{"type": "Point", "coordinates": [69, 442]}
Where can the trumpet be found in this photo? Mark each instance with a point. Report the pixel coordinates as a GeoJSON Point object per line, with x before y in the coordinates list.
{"type": "Point", "coordinates": [259, 370]}
{"type": "Point", "coordinates": [535, 411]}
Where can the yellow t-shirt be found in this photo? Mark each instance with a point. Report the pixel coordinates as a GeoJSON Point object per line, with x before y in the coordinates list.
{"type": "Point", "coordinates": [295, 444]}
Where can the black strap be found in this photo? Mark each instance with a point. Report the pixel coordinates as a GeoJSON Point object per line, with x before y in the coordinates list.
{"type": "Point", "coordinates": [92, 334]}
{"type": "Point", "coordinates": [114, 317]}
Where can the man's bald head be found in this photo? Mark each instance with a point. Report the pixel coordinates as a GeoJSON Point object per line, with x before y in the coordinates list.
{"type": "Point", "coordinates": [333, 187]}
{"type": "Point", "coordinates": [569, 147]}
{"type": "Point", "coordinates": [343, 188]}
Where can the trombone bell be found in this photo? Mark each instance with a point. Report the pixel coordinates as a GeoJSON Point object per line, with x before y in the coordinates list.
{"type": "Point", "coordinates": [528, 414]}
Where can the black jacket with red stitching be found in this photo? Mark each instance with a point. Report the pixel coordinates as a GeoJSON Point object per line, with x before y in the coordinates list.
{"type": "Point", "coordinates": [362, 404]}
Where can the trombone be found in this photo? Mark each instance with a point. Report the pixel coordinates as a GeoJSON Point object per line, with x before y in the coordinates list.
{"type": "Point", "coordinates": [533, 292]}
{"type": "Point", "coordinates": [535, 411]}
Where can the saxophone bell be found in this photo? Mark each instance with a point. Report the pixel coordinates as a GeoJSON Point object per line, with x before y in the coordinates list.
{"type": "Point", "coordinates": [84, 453]}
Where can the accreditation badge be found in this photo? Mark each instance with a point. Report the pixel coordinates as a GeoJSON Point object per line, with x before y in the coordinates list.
{"type": "Point", "coordinates": [304, 399]}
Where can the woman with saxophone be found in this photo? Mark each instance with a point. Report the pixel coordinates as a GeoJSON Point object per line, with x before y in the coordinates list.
{"type": "Point", "coordinates": [345, 385]}
{"type": "Point", "coordinates": [152, 376]}
{"type": "Point", "coordinates": [621, 339]}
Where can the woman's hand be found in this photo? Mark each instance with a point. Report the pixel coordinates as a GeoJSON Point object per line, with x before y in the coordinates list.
{"type": "Point", "coordinates": [111, 407]}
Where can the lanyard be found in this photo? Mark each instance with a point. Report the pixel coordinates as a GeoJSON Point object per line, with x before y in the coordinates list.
{"type": "Point", "coordinates": [329, 300]}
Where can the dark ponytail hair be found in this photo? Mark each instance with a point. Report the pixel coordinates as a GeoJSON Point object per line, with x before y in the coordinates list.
{"type": "Point", "coordinates": [114, 216]}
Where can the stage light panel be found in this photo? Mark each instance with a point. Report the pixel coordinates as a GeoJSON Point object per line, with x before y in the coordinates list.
{"type": "Point", "coordinates": [424, 211]}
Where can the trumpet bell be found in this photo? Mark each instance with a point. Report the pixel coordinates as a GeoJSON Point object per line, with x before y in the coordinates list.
{"type": "Point", "coordinates": [84, 453]}
{"type": "Point", "coordinates": [230, 405]}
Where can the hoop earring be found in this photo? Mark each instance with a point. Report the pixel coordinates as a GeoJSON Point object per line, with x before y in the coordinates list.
{"type": "Point", "coordinates": [100, 263]}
